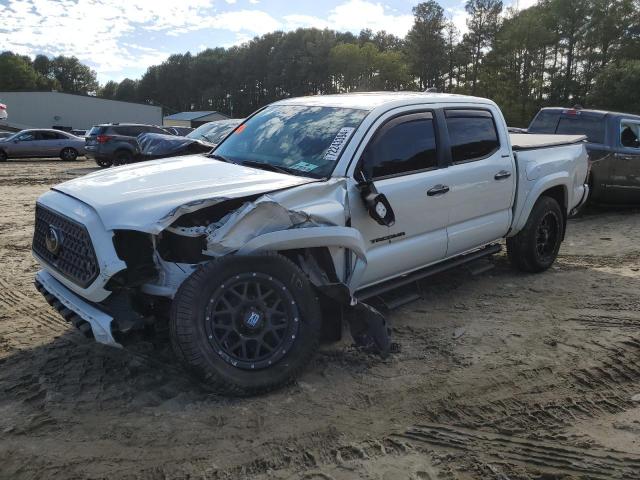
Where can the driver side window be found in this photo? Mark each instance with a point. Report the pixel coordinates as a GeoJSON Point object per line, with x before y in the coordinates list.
{"type": "Point", "coordinates": [630, 134]}
{"type": "Point", "coordinates": [404, 145]}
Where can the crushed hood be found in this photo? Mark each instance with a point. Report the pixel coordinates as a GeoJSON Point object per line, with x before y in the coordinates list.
{"type": "Point", "coordinates": [149, 196]}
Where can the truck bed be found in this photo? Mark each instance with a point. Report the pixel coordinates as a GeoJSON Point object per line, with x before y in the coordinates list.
{"type": "Point", "coordinates": [528, 141]}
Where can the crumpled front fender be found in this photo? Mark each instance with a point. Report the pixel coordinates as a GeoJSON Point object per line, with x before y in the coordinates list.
{"type": "Point", "coordinates": [312, 237]}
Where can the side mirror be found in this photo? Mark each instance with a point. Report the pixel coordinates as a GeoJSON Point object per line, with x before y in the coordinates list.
{"type": "Point", "coordinates": [377, 203]}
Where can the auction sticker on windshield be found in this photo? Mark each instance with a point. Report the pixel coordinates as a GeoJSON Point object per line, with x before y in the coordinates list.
{"type": "Point", "coordinates": [338, 144]}
{"type": "Point", "coordinates": [304, 166]}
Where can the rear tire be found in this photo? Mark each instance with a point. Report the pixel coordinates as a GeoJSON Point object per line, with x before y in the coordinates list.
{"type": "Point", "coordinates": [247, 324]}
{"type": "Point", "coordinates": [122, 157]}
{"type": "Point", "coordinates": [69, 154]}
{"type": "Point", "coordinates": [103, 163]}
{"type": "Point", "coordinates": [535, 248]}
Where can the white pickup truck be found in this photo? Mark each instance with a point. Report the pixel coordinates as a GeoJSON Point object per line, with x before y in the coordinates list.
{"type": "Point", "coordinates": [304, 211]}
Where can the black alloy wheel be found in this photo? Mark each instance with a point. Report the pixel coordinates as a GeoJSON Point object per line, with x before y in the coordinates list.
{"type": "Point", "coordinates": [547, 236]}
{"type": "Point", "coordinates": [246, 324]}
{"type": "Point", "coordinates": [252, 321]}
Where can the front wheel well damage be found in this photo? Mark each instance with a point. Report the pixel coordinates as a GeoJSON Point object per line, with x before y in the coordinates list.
{"type": "Point", "coordinates": [317, 265]}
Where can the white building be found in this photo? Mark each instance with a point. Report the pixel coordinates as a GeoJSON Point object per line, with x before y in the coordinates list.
{"type": "Point", "coordinates": [67, 111]}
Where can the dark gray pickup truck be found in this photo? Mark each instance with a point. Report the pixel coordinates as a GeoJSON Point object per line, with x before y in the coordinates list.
{"type": "Point", "coordinates": [613, 147]}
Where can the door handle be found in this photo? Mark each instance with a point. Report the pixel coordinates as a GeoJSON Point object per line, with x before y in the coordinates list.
{"type": "Point", "coordinates": [438, 190]}
{"type": "Point", "coordinates": [502, 174]}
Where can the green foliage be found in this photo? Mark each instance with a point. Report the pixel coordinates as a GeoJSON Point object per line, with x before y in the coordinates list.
{"type": "Point", "coordinates": [616, 87]}
{"type": "Point", "coordinates": [16, 73]}
{"type": "Point", "coordinates": [426, 44]}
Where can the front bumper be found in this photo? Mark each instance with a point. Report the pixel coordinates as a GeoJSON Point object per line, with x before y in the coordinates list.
{"type": "Point", "coordinates": [75, 309]}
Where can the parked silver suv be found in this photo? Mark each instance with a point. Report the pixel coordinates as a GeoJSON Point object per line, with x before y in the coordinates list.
{"type": "Point", "coordinates": [41, 143]}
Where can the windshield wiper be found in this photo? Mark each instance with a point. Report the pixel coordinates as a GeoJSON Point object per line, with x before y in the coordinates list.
{"type": "Point", "coordinates": [268, 166]}
{"type": "Point", "coordinates": [220, 157]}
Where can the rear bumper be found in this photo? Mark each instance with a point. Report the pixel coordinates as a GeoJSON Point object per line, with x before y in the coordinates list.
{"type": "Point", "coordinates": [583, 201]}
{"type": "Point", "coordinates": [75, 309]}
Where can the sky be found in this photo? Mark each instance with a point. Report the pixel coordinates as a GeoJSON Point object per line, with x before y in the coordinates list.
{"type": "Point", "coordinates": [121, 38]}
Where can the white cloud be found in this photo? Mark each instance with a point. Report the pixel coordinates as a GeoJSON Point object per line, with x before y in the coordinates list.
{"type": "Point", "coordinates": [356, 15]}
{"type": "Point", "coordinates": [252, 21]}
{"type": "Point", "coordinates": [293, 22]}
{"type": "Point", "coordinates": [95, 30]}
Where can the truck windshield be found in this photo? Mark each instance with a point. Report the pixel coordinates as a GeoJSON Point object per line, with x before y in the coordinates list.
{"type": "Point", "coordinates": [304, 140]}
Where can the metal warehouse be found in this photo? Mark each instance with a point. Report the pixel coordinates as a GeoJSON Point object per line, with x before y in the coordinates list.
{"type": "Point", "coordinates": [193, 119]}
{"type": "Point", "coordinates": [68, 111]}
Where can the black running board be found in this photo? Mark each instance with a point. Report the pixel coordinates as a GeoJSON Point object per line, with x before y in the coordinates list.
{"type": "Point", "coordinates": [379, 289]}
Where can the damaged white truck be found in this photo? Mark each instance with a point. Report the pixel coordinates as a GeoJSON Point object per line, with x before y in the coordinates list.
{"type": "Point", "coordinates": [247, 255]}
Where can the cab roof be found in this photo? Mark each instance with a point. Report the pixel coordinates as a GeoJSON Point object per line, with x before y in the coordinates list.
{"type": "Point", "coordinates": [373, 100]}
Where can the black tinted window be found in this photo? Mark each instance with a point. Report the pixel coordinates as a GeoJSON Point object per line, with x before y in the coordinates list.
{"type": "Point", "coordinates": [472, 137]}
{"type": "Point", "coordinates": [592, 127]}
{"type": "Point", "coordinates": [129, 131]}
{"type": "Point", "coordinates": [48, 136]}
{"type": "Point", "coordinates": [402, 147]}
{"type": "Point", "coordinates": [545, 122]}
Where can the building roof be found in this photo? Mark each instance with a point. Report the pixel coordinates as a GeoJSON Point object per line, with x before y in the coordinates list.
{"type": "Point", "coordinates": [189, 116]}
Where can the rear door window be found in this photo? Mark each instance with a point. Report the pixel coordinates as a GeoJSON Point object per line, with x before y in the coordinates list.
{"type": "Point", "coordinates": [402, 146]}
{"type": "Point", "coordinates": [48, 136]}
{"type": "Point", "coordinates": [472, 134]}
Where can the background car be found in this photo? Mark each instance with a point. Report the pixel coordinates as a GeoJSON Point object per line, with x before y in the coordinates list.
{"type": "Point", "coordinates": [41, 144]}
{"type": "Point", "coordinates": [201, 140]}
{"type": "Point", "coordinates": [3, 111]}
{"type": "Point", "coordinates": [115, 143]}
{"type": "Point", "coordinates": [6, 134]}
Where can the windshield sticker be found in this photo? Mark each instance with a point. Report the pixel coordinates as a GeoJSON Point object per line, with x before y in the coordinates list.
{"type": "Point", "coordinates": [304, 166]}
{"type": "Point", "coordinates": [338, 144]}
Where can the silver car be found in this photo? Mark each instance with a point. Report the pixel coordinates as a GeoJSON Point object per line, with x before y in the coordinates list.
{"type": "Point", "coordinates": [41, 143]}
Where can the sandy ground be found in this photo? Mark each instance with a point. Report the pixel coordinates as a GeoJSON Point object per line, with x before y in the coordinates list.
{"type": "Point", "coordinates": [500, 376]}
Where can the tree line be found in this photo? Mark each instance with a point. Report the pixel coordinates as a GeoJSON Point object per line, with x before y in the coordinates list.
{"type": "Point", "coordinates": [558, 52]}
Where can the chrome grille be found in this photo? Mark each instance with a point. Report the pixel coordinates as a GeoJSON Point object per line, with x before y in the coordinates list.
{"type": "Point", "coordinates": [74, 256]}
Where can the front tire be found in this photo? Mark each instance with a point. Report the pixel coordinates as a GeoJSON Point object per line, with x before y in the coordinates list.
{"type": "Point", "coordinates": [247, 324]}
{"type": "Point", "coordinates": [68, 154]}
{"type": "Point", "coordinates": [535, 248]}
